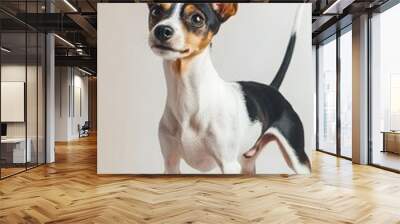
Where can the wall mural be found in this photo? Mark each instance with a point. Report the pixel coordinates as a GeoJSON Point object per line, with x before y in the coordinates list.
{"type": "Point", "coordinates": [209, 123]}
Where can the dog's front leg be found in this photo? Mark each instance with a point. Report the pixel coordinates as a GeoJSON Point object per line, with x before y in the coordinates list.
{"type": "Point", "coordinates": [170, 151]}
{"type": "Point", "coordinates": [248, 166]}
{"type": "Point", "coordinates": [171, 163]}
{"type": "Point", "coordinates": [231, 167]}
{"type": "Point", "coordinates": [229, 163]}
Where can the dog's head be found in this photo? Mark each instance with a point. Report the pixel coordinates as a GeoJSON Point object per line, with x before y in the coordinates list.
{"type": "Point", "coordinates": [181, 30]}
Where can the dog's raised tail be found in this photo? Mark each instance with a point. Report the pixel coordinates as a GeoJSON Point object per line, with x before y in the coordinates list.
{"type": "Point", "coordinates": [280, 75]}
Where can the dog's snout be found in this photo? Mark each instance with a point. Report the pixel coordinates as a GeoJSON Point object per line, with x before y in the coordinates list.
{"type": "Point", "coordinates": [163, 32]}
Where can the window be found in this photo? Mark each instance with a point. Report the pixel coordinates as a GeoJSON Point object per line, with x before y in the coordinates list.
{"type": "Point", "coordinates": [335, 74]}
{"type": "Point", "coordinates": [327, 96]}
{"type": "Point", "coordinates": [346, 95]}
{"type": "Point", "coordinates": [385, 89]}
{"type": "Point", "coordinates": [22, 107]}
{"type": "Point", "coordinates": [394, 102]}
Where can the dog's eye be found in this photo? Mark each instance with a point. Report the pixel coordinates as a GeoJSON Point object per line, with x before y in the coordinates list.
{"type": "Point", "coordinates": [197, 20]}
{"type": "Point", "coordinates": [156, 11]}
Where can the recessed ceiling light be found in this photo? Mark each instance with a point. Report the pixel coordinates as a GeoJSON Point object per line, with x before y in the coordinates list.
{"type": "Point", "coordinates": [65, 41]}
{"type": "Point", "coordinates": [5, 50]}
{"type": "Point", "coordinates": [337, 7]}
{"type": "Point", "coordinates": [84, 71]}
{"type": "Point", "coordinates": [70, 5]}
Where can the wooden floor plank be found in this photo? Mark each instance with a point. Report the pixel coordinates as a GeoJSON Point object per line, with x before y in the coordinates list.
{"type": "Point", "coordinates": [70, 191]}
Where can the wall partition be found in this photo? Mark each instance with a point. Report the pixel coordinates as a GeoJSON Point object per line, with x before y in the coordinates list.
{"type": "Point", "coordinates": [22, 88]}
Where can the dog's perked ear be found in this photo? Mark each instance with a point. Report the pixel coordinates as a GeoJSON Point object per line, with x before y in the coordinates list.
{"type": "Point", "coordinates": [225, 10]}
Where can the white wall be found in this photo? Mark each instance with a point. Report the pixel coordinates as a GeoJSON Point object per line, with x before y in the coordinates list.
{"type": "Point", "coordinates": [80, 83]}
{"type": "Point", "coordinates": [131, 85]}
{"type": "Point", "coordinates": [62, 81]}
{"type": "Point", "coordinates": [68, 81]}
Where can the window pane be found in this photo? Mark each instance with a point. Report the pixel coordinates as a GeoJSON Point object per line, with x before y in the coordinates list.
{"type": "Point", "coordinates": [31, 100]}
{"type": "Point", "coordinates": [386, 89]}
{"type": "Point", "coordinates": [346, 94]}
{"type": "Point", "coordinates": [14, 153]}
{"type": "Point", "coordinates": [327, 96]}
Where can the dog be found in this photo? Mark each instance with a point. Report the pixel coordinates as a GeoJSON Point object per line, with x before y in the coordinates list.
{"type": "Point", "coordinates": [206, 120]}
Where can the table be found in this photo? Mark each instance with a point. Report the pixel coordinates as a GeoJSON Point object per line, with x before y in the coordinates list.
{"type": "Point", "coordinates": [391, 141]}
{"type": "Point", "coordinates": [13, 150]}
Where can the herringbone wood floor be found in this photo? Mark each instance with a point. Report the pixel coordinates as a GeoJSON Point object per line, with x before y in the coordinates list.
{"type": "Point", "coordinates": [69, 191]}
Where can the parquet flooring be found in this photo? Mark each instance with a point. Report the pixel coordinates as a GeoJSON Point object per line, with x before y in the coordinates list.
{"type": "Point", "coordinates": [70, 191]}
{"type": "Point", "coordinates": [10, 171]}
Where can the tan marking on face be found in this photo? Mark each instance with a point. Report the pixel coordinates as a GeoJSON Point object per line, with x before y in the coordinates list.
{"type": "Point", "coordinates": [195, 40]}
{"type": "Point", "coordinates": [189, 9]}
{"type": "Point", "coordinates": [196, 44]}
{"type": "Point", "coordinates": [166, 6]}
{"type": "Point", "coordinates": [180, 66]}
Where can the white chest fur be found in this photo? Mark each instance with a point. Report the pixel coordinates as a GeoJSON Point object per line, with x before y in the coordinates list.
{"type": "Point", "coordinates": [205, 119]}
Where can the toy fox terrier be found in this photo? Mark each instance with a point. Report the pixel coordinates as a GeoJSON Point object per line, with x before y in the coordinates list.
{"type": "Point", "coordinates": [207, 121]}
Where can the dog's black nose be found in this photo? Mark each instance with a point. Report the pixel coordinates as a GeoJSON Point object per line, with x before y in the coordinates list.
{"type": "Point", "coordinates": [163, 32]}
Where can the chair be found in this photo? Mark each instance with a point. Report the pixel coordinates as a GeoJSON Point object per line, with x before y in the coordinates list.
{"type": "Point", "coordinates": [84, 130]}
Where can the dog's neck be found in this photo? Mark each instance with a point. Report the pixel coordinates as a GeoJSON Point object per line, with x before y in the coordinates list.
{"type": "Point", "coordinates": [191, 73]}
{"type": "Point", "coordinates": [190, 80]}
{"type": "Point", "coordinates": [195, 68]}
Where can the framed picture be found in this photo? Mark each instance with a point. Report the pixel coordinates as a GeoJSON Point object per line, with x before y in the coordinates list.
{"type": "Point", "coordinates": [205, 88]}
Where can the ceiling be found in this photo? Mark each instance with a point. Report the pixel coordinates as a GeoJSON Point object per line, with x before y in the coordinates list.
{"type": "Point", "coordinates": [75, 22]}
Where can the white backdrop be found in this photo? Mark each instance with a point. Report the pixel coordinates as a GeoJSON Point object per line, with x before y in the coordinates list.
{"type": "Point", "coordinates": [132, 90]}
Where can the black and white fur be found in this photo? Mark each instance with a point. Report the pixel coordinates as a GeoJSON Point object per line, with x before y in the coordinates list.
{"type": "Point", "coordinates": [206, 120]}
